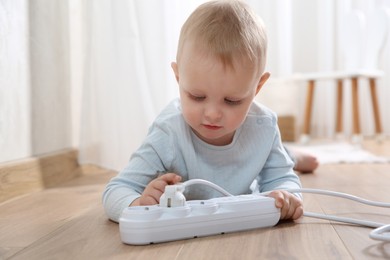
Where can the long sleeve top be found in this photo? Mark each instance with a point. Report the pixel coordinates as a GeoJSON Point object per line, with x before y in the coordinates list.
{"type": "Point", "coordinates": [256, 154]}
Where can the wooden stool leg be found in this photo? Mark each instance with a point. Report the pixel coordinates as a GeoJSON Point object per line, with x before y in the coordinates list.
{"type": "Point", "coordinates": [375, 107]}
{"type": "Point", "coordinates": [355, 106]}
{"type": "Point", "coordinates": [308, 108]}
{"type": "Point", "coordinates": [339, 108]}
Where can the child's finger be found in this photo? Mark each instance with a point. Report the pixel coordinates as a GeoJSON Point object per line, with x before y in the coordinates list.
{"type": "Point", "coordinates": [280, 203]}
{"type": "Point", "coordinates": [298, 207]}
{"type": "Point", "coordinates": [285, 210]}
{"type": "Point", "coordinates": [290, 206]}
{"type": "Point", "coordinates": [290, 211]}
{"type": "Point", "coordinates": [164, 180]}
{"type": "Point", "coordinates": [170, 178]}
{"type": "Point", "coordinates": [298, 213]}
{"type": "Point", "coordinates": [279, 198]}
{"type": "Point", "coordinates": [159, 185]}
{"type": "Point", "coordinates": [148, 200]}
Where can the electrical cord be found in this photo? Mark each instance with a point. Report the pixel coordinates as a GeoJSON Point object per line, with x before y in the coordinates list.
{"type": "Point", "coordinates": [208, 183]}
{"type": "Point", "coordinates": [381, 231]}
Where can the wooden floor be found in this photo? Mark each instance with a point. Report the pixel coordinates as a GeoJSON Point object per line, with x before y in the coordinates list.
{"type": "Point", "coordinates": [68, 222]}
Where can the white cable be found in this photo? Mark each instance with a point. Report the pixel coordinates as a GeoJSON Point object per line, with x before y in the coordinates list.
{"type": "Point", "coordinates": [342, 219]}
{"type": "Point", "coordinates": [336, 194]}
{"type": "Point", "coordinates": [208, 183]}
{"type": "Point", "coordinates": [380, 233]}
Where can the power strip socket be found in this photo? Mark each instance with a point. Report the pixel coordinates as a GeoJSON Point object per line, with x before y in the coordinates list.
{"type": "Point", "coordinates": [141, 225]}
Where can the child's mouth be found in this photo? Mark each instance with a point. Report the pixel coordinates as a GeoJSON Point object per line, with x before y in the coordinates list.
{"type": "Point", "coordinates": [212, 127]}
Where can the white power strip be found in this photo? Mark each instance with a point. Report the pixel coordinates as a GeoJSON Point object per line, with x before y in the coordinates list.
{"type": "Point", "coordinates": [141, 225]}
{"type": "Point", "coordinates": [177, 219]}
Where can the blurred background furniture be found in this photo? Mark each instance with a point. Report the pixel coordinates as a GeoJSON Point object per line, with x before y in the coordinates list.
{"type": "Point", "coordinates": [363, 41]}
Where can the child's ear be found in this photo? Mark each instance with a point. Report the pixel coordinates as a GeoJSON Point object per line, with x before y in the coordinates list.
{"type": "Point", "coordinates": [175, 70]}
{"type": "Point", "coordinates": [262, 80]}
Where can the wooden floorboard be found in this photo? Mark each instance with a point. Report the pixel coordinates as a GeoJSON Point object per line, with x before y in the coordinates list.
{"type": "Point", "coordinates": [68, 222]}
{"type": "Point", "coordinates": [28, 218]}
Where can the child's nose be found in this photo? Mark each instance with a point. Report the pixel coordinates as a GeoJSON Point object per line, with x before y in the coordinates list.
{"type": "Point", "coordinates": [213, 114]}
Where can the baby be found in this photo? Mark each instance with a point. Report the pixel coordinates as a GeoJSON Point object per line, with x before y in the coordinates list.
{"type": "Point", "coordinates": [214, 131]}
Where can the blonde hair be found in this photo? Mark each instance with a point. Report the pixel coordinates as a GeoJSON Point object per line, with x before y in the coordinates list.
{"type": "Point", "coordinates": [228, 29]}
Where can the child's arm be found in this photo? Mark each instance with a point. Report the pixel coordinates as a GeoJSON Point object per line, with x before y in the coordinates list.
{"type": "Point", "coordinates": [278, 179]}
{"type": "Point", "coordinates": [290, 206]}
{"type": "Point", "coordinates": [278, 175]}
{"type": "Point", "coordinates": [155, 189]}
{"type": "Point", "coordinates": [154, 156]}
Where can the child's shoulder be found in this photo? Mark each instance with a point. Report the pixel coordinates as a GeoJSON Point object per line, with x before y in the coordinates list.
{"type": "Point", "coordinates": [261, 112]}
{"type": "Point", "coordinates": [170, 116]}
{"type": "Point", "coordinates": [171, 111]}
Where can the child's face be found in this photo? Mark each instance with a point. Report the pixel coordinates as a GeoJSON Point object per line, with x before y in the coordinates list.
{"type": "Point", "coordinates": [215, 99]}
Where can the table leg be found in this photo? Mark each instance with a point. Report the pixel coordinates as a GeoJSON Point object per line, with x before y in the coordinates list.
{"type": "Point", "coordinates": [339, 108]}
{"type": "Point", "coordinates": [308, 108]}
{"type": "Point", "coordinates": [355, 106]}
{"type": "Point", "coordinates": [375, 107]}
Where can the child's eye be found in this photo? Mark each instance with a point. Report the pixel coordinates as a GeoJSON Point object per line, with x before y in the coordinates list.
{"type": "Point", "coordinates": [197, 98]}
{"type": "Point", "coordinates": [232, 102]}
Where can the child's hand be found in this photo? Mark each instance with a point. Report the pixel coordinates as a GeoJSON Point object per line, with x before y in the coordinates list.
{"type": "Point", "coordinates": [155, 189]}
{"type": "Point", "coordinates": [290, 206]}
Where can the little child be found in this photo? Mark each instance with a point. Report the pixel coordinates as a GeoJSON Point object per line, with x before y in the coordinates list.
{"type": "Point", "coordinates": [215, 131]}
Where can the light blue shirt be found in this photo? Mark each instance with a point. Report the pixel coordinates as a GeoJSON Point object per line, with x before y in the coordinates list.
{"type": "Point", "coordinates": [256, 153]}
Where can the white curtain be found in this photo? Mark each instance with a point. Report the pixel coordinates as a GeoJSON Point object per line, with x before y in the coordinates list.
{"type": "Point", "coordinates": [127, 78]}
{"type": "Point", "coordinates": [129, 46]}
{"type": "Point", "coordinates": [14, 76]}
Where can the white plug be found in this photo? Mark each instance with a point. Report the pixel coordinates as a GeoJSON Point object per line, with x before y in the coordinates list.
{"type": "Point", "coordinates": [173, 196]}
